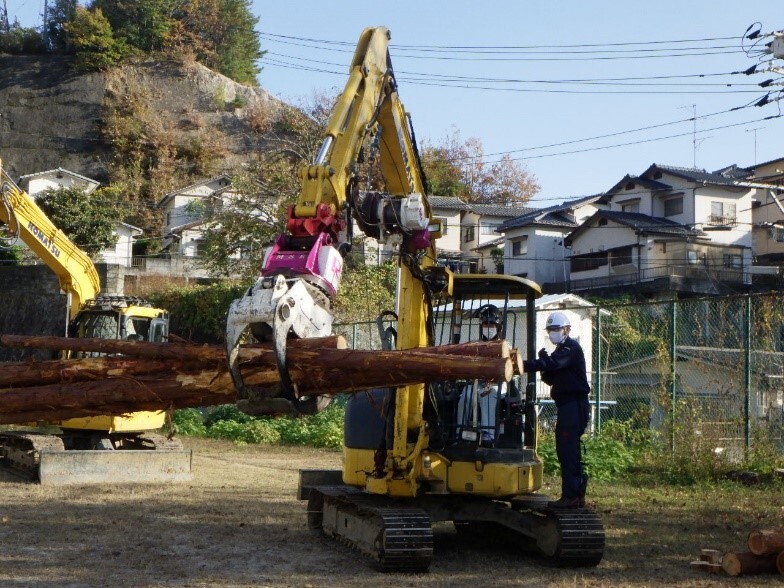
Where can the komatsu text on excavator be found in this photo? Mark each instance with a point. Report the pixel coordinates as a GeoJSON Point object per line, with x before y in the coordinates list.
{"type": "Point", "coordinates": [102, 448]}
{"type": "Point", "coordinates": [458, 451]}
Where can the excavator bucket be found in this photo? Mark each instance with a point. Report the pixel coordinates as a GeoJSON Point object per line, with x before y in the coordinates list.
{"type": "Point", "coordinates": [69, 468]}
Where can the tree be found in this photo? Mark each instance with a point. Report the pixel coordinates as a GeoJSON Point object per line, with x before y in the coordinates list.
{"type": "Point", "coordinates": [142, 24]}
{"type": "Point", "coordinates": [59, 13]}
{"type": "Point", "coordinates": [238, 227]}
{"type": "Point", "coordinates": [89, 220]}
{"type": "Point", "coordinates": [457, 167]}
{"type": "Point", "coordinates": [20, 40]}
{"type": "Point", "coordinates": [93, 41]}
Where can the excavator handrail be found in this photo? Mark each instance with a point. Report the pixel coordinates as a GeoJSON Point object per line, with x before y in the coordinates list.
{"type": "Point", "coordinates": [73, 267]}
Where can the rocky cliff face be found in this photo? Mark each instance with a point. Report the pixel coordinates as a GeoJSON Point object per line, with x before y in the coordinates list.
{"type": "Point", "coordinates": [51, 117]}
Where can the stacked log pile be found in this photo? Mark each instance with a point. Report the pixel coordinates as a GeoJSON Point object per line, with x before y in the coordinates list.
{"type": "Point", "coordinates": [137, 375]}
{"type": "Point", "coordinates": [765, 555]}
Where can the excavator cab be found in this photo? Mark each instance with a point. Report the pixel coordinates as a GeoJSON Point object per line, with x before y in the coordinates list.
{"type": "Point", "coordinates": [121, 317]}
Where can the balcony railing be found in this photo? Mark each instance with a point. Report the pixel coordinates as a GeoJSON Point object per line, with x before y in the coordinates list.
{"type": "Point", "coordinates": [722, 221]}
{"type": "Point", "coordinates": [683, 274]}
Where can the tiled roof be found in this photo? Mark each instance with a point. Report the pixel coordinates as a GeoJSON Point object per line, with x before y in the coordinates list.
{"type": "Point", "coordinates": [644, 182]}
{"type": "Point", "coordinates": [554, 216]}
{"type": "Point", "coordinates": [447, 202]}
{"type": "Point", "coordinates": [498, 210]}
{"type": "Point", "coordinates": [638, 222]}
{"type": "Point", "coordinates": [692, 174]}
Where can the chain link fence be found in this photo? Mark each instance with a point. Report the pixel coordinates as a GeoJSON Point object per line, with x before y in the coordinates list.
{"type": "Point", "coordinates": [704, 376]}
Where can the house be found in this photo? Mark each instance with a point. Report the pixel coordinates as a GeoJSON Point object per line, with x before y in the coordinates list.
{"type": "Point", "coordinates": [768, 214]}
{"type": "Point", "coordinates": [534, 242]}
{"type": "Point", "coordinates": [55, 179]}
{"type": "Point", "coordinates": [122, 252]}
{"type": "Point", "coordinates": [449, 211]}
{"type": "Point", "coordinates": [670, 229]}
{"type": "Point", "coordinates": [478, 229]}
{"type": "Point", "coordinates": [184, 211]}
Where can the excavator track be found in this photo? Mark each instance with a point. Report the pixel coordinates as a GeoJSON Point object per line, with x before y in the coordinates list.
{"type": "Point", "coordinates": [21, 452]}
{"type": "Point", "coordinates": [574, 538]}
{"type": "Point", "coordinates": [396, 538]}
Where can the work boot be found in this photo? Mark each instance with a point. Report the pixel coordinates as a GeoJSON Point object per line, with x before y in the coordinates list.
{"type": "Point", "coordinates": [563, 503]}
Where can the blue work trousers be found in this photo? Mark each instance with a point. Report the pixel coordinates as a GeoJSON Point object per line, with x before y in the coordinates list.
{"type": "Point", "coordinates": [573, 417]}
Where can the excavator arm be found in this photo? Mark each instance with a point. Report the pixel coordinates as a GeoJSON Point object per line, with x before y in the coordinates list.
{"type": "Point", "coordinates": [300, 275]}
{"type": "Point", "coordinates": [23, 218]}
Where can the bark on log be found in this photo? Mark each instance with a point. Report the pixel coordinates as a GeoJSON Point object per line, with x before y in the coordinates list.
{"type": "Point", "coordinates": [766, 541]}
{"type": "Point", "coordinates": [160, 350]}
{"type": "Point", "coordinates": [746, 563]}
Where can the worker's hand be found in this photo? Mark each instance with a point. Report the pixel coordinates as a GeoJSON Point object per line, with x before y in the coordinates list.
{"type": "Point", "coordinates": [543, 353]}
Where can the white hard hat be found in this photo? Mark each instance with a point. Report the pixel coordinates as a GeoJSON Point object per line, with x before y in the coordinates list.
{"type": "Point", "coordinates": [557, 320]}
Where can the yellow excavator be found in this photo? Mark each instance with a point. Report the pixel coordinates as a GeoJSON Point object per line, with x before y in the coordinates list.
{"type": "Point", "coordinates": [423, 453]}
{"type": "Point", "coordinates": [96, 449]}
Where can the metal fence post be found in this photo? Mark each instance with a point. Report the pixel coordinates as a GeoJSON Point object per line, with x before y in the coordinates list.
{"type": "Point", "coordinates": [673, 337]}
{"type": "Point", "coordinates": [354, 336]}
{"type": "Point", "coordinates": [598, 370]}
{"type": "Point", "coordinates": [747, 375]}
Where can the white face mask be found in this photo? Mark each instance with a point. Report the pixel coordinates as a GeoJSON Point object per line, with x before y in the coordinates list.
{"type": "Point", "coordinates": [489, 333]}
{"type": "Point", "coordinates": [556, 337]}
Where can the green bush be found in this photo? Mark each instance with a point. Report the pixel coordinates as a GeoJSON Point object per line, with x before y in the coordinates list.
{"type": "Point", "coordinates": [198, 313]}
{"type": "Point", "coordinates": [226, 412]}
{"type": "Point", "coordinates": [189, 422]}
{"type": "Point", "coordinates": [604, 458]}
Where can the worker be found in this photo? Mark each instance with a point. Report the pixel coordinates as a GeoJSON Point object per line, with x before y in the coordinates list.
{"type": "Point", "coordinates": [564, 370]}
{"type": "Point", "coordinates": [488, 392]}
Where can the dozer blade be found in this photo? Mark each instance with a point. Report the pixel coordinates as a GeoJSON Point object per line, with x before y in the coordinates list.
{"type": "Point", "coordinates": [68, 468]}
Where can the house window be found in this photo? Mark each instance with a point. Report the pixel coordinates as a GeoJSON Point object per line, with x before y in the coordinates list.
{"type": "Point", "coordinates": [590, 261]}
{"type": "Point", "coordinates": [602, 222]}
{"type": "Point", "coordinates": [487, 228]}
{"type": "Point", "coordinates": [673, 206]}
{"type": "Point", "coordinates": [168, 218]}
{"type": "Point", "coordinates": [444, 224]}
{"type": "Point", "coordinates": [733, 260]}
{"type": "Point", "coordinates": [632, 206]}
{"type": "Point", "coordinates": [621, 256]}
{"type": "Point", "coordinates": [629, 186]}
{"type": "Point", "coordinates": [722, 213]}
{"type": "Point", "coordinates": [779, 235]}
{"type": "Point", "coordinates": [520, 246]}
{"type": "Point", "coordinates": [692, 257]}
{"type": "Point", "coordinates": [469, 234]}
{"type": "Point", "coordinates": [201, 245]}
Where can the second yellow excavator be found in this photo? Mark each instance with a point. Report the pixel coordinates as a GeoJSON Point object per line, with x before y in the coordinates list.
{"type": "Point", "coordinates": [103, 448]}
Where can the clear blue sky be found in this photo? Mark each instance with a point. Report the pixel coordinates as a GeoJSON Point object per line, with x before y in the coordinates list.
{"type": "Point", "coordinates": [511, 120]}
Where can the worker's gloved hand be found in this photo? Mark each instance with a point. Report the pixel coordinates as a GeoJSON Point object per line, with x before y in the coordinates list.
{"type": "Point", "coordinates": [543, 353]}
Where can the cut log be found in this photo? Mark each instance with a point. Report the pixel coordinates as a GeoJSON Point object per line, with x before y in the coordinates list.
{"type": "Point", "coordinates": [766, 541]}
{"type": "Point", "coordinates": [746, 563]}
{"type": "Point", "coordinates": [152, 376]}
{"type": "Point", "coordinates": [159, 350]}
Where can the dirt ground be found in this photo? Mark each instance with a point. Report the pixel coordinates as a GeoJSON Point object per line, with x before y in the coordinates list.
{"type": "Point", "coordinates": [238, 523]}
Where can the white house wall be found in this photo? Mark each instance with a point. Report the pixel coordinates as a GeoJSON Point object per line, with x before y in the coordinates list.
{"type": "Point", "coordinates": [740, 234]}
{"type": "Point", "coordinates": [41, 184]}
{"type": "Point", "coordinates": [449, 242]}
